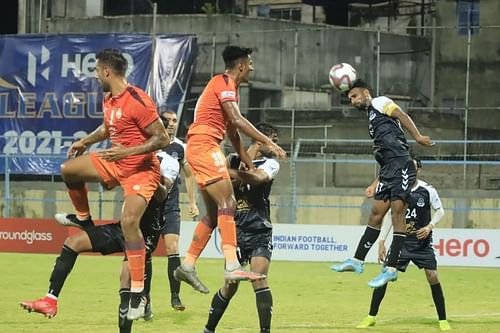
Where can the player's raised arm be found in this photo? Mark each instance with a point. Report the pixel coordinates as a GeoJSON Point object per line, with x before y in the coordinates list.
{"type": "Point", "coordinates": [237, 143]}
{"type": "Point", "coordinates": [236, 120]}
{"type": "Point", "coordinates": [408, 123]}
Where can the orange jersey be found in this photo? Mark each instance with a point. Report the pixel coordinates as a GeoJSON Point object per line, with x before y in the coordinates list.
{"type": "Point", "coordinates": [209, 118]}
{"type": "Point", "coordinates": [125, 117]}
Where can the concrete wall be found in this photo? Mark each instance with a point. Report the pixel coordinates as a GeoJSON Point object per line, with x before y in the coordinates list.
{"type": "Point", "coordinates": [322, 206]}
{"type": "Point", "coordinates": [451, 63]}
{"type": "Point", "coordinates": [319, 47]}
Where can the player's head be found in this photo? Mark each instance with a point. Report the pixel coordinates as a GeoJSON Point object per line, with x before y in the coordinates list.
{"type": "Point", "coordinates": [110, 63]}
{"type": "Point", "coordinates": [271, 132]}
{"type": "Point", "coordinates": [238, 59]}
{"type": "Point", "coordinates": [169, 119]}
{"type": "Point", "coordinates": [359, 95]}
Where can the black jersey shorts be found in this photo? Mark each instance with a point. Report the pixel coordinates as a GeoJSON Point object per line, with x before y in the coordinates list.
{"type": "Point", "coordinates": [255, 243]}
{"type": "Point", "coordinates": [423, 257]}
{"type": "Point", "coordinates": [396, 179]}
{"type": "Point", "coordinates": [172, 220]}
{"type": "Point", "coordinates": [108, 239]}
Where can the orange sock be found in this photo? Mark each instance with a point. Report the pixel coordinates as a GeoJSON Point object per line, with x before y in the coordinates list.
{"type": "Point", "coordinates": [136, 255]}
{"type": "Point", "coordinates": [201, 236]}
{"type": "Point", "coordinates": [80, 201]}
{"type": "Point", "coordinates": [227, 227]}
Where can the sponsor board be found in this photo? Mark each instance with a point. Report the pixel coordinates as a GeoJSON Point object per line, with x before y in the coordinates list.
{"type": "Point", "coordinates": [453, 247]}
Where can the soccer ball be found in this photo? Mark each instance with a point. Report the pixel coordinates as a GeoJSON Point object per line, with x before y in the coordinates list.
{"type": "Point", "coordinates": [342, 76]}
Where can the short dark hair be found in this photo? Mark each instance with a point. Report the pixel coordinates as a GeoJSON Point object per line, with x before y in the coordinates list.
{"type": "Point", "coordinates": [232, 54]}
{"type": "Point", "coordinates": [114, 59]}
{"type": "Point", "coordinates": [359, 83]}
{"type": "Point", "coordinates": [266, 129]}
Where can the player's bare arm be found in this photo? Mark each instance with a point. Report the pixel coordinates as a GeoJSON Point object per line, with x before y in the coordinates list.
{"type": "Point", "coordinates": [371, 189]}
{"type": "Point", "coordinates": [408, 123]}
{"type": "Point", "coordinates": [236, 120]}
{"type": "Point", "coordinates": [78, 147]}
{"type": "Point", "coordinates": [235, 138]}
{"type": "Point", "coordinates": [158, 138]}
{"type": "Point", "coordinates": [190, 189]}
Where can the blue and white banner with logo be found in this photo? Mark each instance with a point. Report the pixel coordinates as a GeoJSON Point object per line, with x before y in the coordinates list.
{"type": "Point", "coordinates": [49, 95]}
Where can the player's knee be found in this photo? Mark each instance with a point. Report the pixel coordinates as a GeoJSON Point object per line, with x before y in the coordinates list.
{"type": "Point", "coordinates": [74, 243]}
{"type": "Point", "coordinates": [432, 277]}
{"type": "Point", "coordinates": [259, 284]}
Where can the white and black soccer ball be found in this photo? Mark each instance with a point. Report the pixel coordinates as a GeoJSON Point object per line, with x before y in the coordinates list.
{"type": "Point", "coordinates": [342, 76]}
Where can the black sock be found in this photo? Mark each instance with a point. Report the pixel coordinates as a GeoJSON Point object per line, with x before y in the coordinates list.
{"type": "Point", "coordinates": [148, 274]}
{"type": "Point", "coordinates": [377, 297]}
{"type": "Point", "coordinates": [217, 308]}
{"type": "Point", "coordinates": [264, 300]}
{"type": "Point", "coordinates": [174, 261]}
{"type": "Point", "coordinates": [398, 240]}
{"type": "Point", "coordinates": [438, 297]}
{"type": "Point", "coordinates": [124, 324]}
{"type": "Point", "coordinates": [62, 268]}
{"type": "Point", "coordinates": [366, 242]}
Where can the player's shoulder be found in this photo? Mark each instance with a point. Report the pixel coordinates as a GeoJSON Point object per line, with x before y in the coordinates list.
{"type": "Point", "coordinates": [380, 102]}
{"type": "Point", "coordinates": [425, 186]}
{"type": "Point", "coordinates": [179, 142]}
{"type": "Point", "coordinates": [139, 96]}
{"type": "Point", "coordinates": [270, 165]}
{"type": "Point", "coordinates": [222, 81]}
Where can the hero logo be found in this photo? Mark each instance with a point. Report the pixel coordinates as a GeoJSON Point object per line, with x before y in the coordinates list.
{"type": "Point", "coordinates": [81, 65]}
{"type": "Point", "coordinates": [455, 247]}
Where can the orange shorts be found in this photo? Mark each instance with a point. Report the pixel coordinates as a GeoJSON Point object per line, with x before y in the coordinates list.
{"type": "Point", "coordinates": [143, 182]}
{"type": "Point", "coordinates": [206, 159]}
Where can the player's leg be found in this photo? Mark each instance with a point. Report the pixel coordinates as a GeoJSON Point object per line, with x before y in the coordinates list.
{"type": "Point", "coordinates": [377, 297]}
{"type": "Point", "coordinates": [75, 172]}
{"type": "Point", "coordinates": [369, 237]}
{"type": "Point", "coordinates": [134, 206]}
{"type": "Point", "coordinates": [124, 324]}
{"type": "Point", "coordinates": [222, 193]}
{"type": "Point", "coordinates": [170, 235]}
{"type": "Point", "coordinates": [73, 245]}
{"type": "Point", "coordinates": [429, 263]}
{"type": "Point", "coordinates": [263, 295]}
{"type": "Point", "coordinates": [220, 302]}
{"type": "Point", "coordinates": [186, 271]}
{"type": "Point", "coordinates": [390, 272]}
{"type": "Point", "coordinates": [148, 278]}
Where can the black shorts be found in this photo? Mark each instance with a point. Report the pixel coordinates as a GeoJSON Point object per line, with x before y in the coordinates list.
{"type": "Point", "coordinates": [172, 222]}
{"type": "Point", "coordinates": [108, 239]}
{"type": "Point", "coordinates": [396, 179]}
{"type": "Point", "coordinates": [422, 258]}
{"type": "Point", "coordinates": [254, 244]}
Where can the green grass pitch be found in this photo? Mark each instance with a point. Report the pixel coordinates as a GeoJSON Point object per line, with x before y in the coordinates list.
{"type": "Point", "coordinates": [308, 297]}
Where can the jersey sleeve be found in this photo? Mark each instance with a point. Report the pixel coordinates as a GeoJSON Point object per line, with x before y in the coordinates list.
{"type": "Point", "coordinates": [434, 198]}
{"type": "Point", "coordinates": [225, 90]}
{"type": "Point", "coordinates": [169, 166]}
{"type": "Point", "coordinates": [384, 105]}
{"type": "Point", "coordinates": [271, 167]}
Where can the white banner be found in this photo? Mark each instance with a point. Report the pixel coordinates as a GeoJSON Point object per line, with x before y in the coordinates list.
{"type": "Point", "coordinates": [302, 242]}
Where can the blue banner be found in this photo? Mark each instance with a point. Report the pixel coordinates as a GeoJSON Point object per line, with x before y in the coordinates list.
{"type": "Point", "coordinates": [49, 95]}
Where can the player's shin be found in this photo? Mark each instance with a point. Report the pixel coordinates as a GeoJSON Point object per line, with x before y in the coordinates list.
{"type": "Point", "coordinates": [136, 253]}
{"type": "Point", "coordinates": [217, 309]}
{"type": "Point", "coordinates": [227, 227]}
{"type": "Point", "coordinates": [264, 300]}
{"type": "Point", "coordinates": [78, 195]}
{"type": "Point", "coordinates": [398, 240]}
{"type": "Point", "coordinates": [201, 236]}
{"type": "Point", "coordinates": [62, 268]}
{"type": "Point", "coordinates": [366, 242]}
{"type": "Point", "coordinates": [124, 324]}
